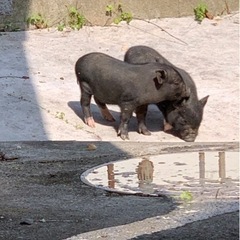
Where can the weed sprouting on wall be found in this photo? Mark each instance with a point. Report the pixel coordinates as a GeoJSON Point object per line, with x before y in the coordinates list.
{"type": "Point", "coordinates": [37, 20]}
{"type": "Point", "coordinates": [76, 19]}
{"type": "Point", "coordinates": [118, 13]}
{"type": "Point", "coordinates": [201, 12]}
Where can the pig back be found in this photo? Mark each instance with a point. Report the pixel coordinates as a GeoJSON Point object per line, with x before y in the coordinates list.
{"type": "Point", "coordinates": [112, 80]}
{"type": "Point", "coordinates": [143, 54]}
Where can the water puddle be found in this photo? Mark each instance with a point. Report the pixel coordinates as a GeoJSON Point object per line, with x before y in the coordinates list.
{"type": "Point", "coordinates": [206, 174]}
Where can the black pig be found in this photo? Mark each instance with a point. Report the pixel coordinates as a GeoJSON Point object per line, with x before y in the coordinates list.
{"type": "Point", "coordinates": [112, 81]}
{"type": "Point", "coordinates": [183, 119]}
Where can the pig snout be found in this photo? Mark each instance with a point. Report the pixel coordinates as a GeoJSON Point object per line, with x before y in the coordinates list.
{"type": "Point", "coordinates": [187, 135]}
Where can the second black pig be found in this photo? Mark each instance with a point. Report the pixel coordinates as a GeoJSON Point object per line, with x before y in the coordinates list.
{"type": "Point", "coordinates": [183, 119]}
{"type": "Point", "coordinates": [129, 86]}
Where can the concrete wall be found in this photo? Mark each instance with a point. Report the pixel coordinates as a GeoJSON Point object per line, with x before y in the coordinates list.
{"type": "Point", "coordinates": [6, 7]}
{"type": "Point", "coordinates": [15, 12]}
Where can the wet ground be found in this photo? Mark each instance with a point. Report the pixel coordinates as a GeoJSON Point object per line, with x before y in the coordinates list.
{"type": "Point", "coordinates": [204, 174]}
{"type": "Point", "coordinates": [42, 196]}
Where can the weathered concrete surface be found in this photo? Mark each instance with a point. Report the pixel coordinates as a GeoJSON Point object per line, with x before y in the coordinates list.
{"type": "Point", "coordinates": [16, 11]}
{"type": "Point", "coordinates": [42, 196]}
{"type": "Point", "coordinates": [6, 7]}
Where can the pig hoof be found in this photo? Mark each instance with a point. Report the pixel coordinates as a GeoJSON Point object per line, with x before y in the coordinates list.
{"type": "Point", "coordinates": [123, 135]}
{"type": "Point", "coordinates": [90, 122]}
{"type": "Point", "coordinates": [143, 129]}
{"type": "Point", "coordinates": [145, 132]}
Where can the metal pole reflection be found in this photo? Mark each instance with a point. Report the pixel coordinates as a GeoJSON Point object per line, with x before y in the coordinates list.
{"type": "Point", "coordinates": [111, 179]}
{"type": "Point", "coordinates": [201, 167]}
{"type": "Point", "coordinates": [222, 166]}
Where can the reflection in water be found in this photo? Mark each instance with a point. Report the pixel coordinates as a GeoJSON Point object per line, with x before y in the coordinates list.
{"type": "Point", "coordinates": [202, 173]}
{"type": "Point", "coordinates": [110, 171]}
{"type": "Point", "coordinates": [145, 175]}
{"type": "Point", "coordinates": [145, 171]}
{"type": "Point", "coordinates": [221, 164]}
{"type": "Point", "coordinates": [201, 167]}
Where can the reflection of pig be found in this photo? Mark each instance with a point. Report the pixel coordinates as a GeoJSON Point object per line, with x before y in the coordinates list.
{"type": "Point", "coordinates": [182, 119]}
{"type": "Point", "coordinates": [112, 81]}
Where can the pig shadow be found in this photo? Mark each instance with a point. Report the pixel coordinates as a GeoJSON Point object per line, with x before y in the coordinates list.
{"type": "Point", "coordinates": [154, 120]}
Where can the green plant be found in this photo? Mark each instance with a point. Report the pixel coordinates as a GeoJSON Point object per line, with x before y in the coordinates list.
{"type": "Point", "coordinates": [120, 15]}
{"type": "Point", "coordinates": [60, 115]}
{"type": "Point", "coordinates": [37, 20]}
{"type": "Point", "coordinates": [9, 27]}
{"type": "Point", "coordinates": [76, 19]}
{"type": "Point", "coordinates": [200, 12]}
{"type": "Point", "coordinates": [109, 10]}
{"type": "Point", "coordinates": [61, 27]}
{"type": "Point", "coordinates": [186, 196]}
{"type": "Point", "coordinates": [124, 16]}
{"type": "Point", "coordinates": [78, 126]}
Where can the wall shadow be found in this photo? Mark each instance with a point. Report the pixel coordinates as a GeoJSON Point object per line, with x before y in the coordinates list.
{"type": "Point", "coordinates": [21, 118]}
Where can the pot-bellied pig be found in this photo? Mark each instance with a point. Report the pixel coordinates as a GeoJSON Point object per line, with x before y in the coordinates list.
{"type": "Point", "coordinates": [182, 119]}
{"type": "Point", "coordinates": [129, 86]}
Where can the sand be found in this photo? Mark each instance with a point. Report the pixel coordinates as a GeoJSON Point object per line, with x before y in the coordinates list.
{"type": "Point", "coordinates": [39, 97]}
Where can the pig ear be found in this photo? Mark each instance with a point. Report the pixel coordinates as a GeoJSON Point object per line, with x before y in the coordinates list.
{"type": "Point", "coordinates": [203, 101]}
{"type": "Point", "coordinates": [161, 75]}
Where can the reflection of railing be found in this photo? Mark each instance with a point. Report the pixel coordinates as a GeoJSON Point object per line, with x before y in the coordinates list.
{"type": "Point", "coordinates": [145, 170]}
{"type": "Point", "coordinates": [144, 173]}
{"type": "Point", "coordinates": [201, 167]}
{"type": "Point", "coordinates": [111, 179]}
{"type": "Point", "coordinates": [221, 167]}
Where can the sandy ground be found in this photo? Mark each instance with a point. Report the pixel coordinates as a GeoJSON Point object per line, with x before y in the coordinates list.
{"type": "Point", "coordinates": [40, 97]}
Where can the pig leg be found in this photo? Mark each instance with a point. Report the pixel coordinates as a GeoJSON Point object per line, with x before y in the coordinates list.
{"type": "Point", "coordinates": [141, 113]}
{"type": "Point", "coordinates": [85, 104]}
{"type": "Point", "coordinates": [126, 114]}
{"type": "Point", "coordinates": [104, 110]}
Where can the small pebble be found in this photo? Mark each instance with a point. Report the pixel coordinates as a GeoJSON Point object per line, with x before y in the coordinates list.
{"type": "Point", "coordinates": [91, 147]}
{"type": "Point", "coordinates": [27, 221]}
